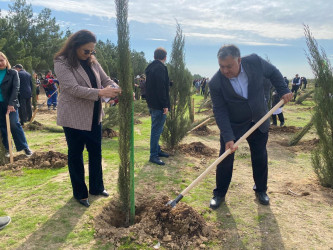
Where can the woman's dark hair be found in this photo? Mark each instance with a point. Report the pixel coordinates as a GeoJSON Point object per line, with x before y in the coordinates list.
{"type": "Point", "coordinates": [74, 42]}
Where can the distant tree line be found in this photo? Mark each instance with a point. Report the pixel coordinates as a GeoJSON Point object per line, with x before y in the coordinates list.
{"type": "Point", "coordinates": [32, 40]}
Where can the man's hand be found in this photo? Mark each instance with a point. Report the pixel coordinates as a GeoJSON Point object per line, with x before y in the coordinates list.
{"type": "Point", "coordinates": [10, 109]}
{"type": "Point", "coordinates": [165, 111]}
{"type": "Point", "coordinates": [287, 97]}
{"type": "Point", "coordinates": [230, 144]}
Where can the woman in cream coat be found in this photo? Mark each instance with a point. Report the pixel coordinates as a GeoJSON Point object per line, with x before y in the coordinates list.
{"type": "Point", "coordinates": [82, 83]}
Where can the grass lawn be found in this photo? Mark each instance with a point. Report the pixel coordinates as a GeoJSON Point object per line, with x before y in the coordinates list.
{"type": "Point", "coordinates": [45, 215]}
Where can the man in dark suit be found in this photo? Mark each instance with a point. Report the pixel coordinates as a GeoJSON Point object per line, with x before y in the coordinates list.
{"type": "Point", "coordinates": [25, 111]}
{"type": "Point", "coordinates": [237, 93]}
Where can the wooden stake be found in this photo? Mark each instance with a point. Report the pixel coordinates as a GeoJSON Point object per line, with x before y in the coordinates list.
{"type": "Point", "coordinates": [9, 136]}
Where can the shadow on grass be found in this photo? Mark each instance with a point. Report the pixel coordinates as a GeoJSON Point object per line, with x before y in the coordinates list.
{"type": "Point", "coordinates": [232, 240]}
{"type": "Point", "coordinates": [54, 232]}
{"type": "Point", "coordinates": [269, 229]}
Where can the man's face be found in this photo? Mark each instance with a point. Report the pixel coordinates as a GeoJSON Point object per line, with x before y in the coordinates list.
{"type": "Point", "coordinates": [230, 67]}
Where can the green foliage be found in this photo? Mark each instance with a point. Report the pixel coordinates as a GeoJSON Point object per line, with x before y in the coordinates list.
{"type": "Point", "coordinates": [125, 105]}
{"type": "Point", "coordinates": [111, 118]}
{"type": "Point", "coordinates": [303, 97]}
{"type": "Point", "coordinates": [322, 158]}
{"type": "Point", "coordinates": [298, 136]}
{"type": "Point", "coordinates": [178, 122]}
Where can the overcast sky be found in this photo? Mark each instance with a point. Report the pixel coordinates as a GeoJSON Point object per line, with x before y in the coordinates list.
{"type": "Point", "coordinates": [272, 29]}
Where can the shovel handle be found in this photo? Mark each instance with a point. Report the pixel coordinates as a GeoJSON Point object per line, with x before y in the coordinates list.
{"type": "Point", "coordinates": [227, 152]}
{"type": "Point", "coordinates": [9, 137]}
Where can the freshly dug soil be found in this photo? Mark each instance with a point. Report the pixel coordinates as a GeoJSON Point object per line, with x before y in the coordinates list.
{"type": "Point", "coordinates": [197, 149]}
{"type": "Point", "coordinates": [180, 227]}
{"type": "Point", "coordinates": [48, 159]}
{"type": "Point", "coordinates": [32, 126]}
{"type": "Point", "coordinates": [203, 130]}
{"type": "Point", "coordinates": [109, 133]}
{"type": "Point", "coordinates": [284, 129]}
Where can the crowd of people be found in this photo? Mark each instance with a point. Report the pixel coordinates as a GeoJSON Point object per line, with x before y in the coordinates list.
{"type": "Point", "coordinates": [237, 91]}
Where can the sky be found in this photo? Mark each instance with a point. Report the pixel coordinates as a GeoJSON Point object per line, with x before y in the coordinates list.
{"type": "Point", "coordinates": [273, 29]}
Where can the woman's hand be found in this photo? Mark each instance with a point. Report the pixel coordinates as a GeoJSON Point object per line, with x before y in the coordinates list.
{"type": "Point", "coordinates": [109, 92]}
{"type": "Point", "coordinates": [10, 109]}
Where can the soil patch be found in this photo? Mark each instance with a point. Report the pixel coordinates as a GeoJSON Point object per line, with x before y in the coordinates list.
{"type": "Point", "coordinates": [305, 145]}
{"type": "Point", "coordinates": [48, 159]}
{"type": "Point", "coordinates": [284, 129]}
{"type": "Point", "coordinates": [137, 121]}
{"type": "Point", "coordinates": [197, 149]}
{"type": "Point", "coordinates": [32, 126]}
{"type": "Point", "coordinates": [180, 227]}
{"type": "Point", "coordinates": [109, 133]}
{"type": "Point", "coordinates": [203, 130]}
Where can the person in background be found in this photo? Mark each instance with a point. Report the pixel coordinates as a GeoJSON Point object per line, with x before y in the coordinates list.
{"type": "Point", "coordinates": [37, 86]}
{"type": "Point", "coordinates": [51, 90]}
{"type": "Point", "coordinates": [286, 81]}
{"type": "Point", "coordinates": [158, 100]}
{"type": "Point", "coordinates": [80, 111]}
{"type": "Point", "coordinates": [304, 82]}
{"type": "Point", "coordinates": [9, 87]}
{"type": "Point", "coordinates": [278, 112]}
{"type": "Point", "coordinates": [238, 96]}
{"type": "Point", "coordinates": [4, 221]}
{"type": "Point", "coordinates": [24, 96]}
{"type": "Point", "coordinates": [296, 83]}
{"type": "Point", "coordinates": [142, 86]}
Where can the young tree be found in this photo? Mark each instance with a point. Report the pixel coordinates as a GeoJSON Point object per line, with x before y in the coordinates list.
{"type": "Point", "coordinates": [178, 122]}
{"type": "Point", "coordinates": [125, 107]}
{"type": "Point", "coordinates": [322, 157]}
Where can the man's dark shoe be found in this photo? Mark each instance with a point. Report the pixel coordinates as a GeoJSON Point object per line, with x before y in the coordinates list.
{"type": "Point", "coordinates": [157, 161]}
{"type": "Point", "coordinates": [263, 198]}
{"type": "Point", "coordinates": [281, 124]}
{"type": "Point", "coordinates": [4, 221]}
{"type": "Point", "coordinates": [163, 154]}
{"type": "Point", "coordinates": [84, 202]}
{"type": "Point", "coordinates": [216, 202]}
{"type": "Point", "coordinates": [27, 152]}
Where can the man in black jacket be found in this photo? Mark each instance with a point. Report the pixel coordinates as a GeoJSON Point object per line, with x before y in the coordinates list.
{"type": "Point", "coordinates": [157, 97]}
{"type": "Point", "coordinates": [238, 96]}
{"type": "Point", "coordinates": [25, 111]}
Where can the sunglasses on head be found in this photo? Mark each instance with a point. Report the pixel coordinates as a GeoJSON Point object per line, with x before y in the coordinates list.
{"type": "Point", "coordinates": [89, 52]}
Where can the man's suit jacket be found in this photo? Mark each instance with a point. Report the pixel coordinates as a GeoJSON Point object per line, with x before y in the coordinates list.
{"type": "Point", "coordinates": [233, 113]}
{"type": "Point", "coordinates": [25, 84]}
{"type": "Point", "coordinates": [77, 97]}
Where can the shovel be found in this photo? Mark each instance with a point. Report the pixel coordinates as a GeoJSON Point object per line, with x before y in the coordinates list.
{"type": "Point", "coordinates": [9, 136]}
{"type": "Point", "coordinates": [174, 202]}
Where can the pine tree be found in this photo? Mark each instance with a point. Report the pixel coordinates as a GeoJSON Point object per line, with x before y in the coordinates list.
{"type": "Point", "coordinates": [125, 106]}
{"type": "Point", "coordinates": [178, 122]}
{"type": "Point", "coordinates": [322, 157]}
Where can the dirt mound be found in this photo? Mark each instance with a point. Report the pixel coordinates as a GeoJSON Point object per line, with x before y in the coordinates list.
{"type": "Point", "coordinates": [109, 133]}
{"type": "Point", "coordinates": [197, 149]}
{"type": "Point", "coordinates": [32, 126]}
{"type": "Point", "coordinates": [203, 130]}
{"type": "Point", "coordinates": [177, 228]}
{"type": "Point", "coordinates": [284, 129]}
{"type": "Point", "coordinates": [305, 145]}
{"type": "Point", "coordinates": [48, 159]}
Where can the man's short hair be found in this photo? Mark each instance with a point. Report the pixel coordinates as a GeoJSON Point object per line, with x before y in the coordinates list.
{"type": "Point", "coordinates": [228, 50]}
{"type": "Point", "coordinates": [160, 53]}
{"type": "Point", "coordinates": [18, 66]}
